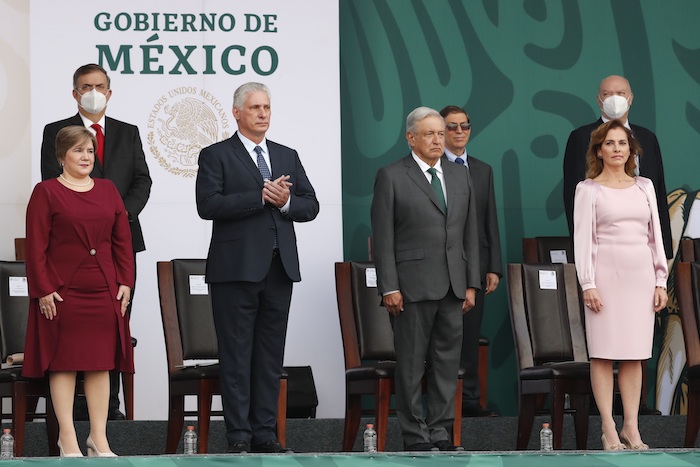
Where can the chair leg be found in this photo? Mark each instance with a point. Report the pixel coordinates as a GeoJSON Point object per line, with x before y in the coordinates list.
{"type": "Point", "coordinates": [204, 414]}
{"type": "Point", "coordinates": [176, 419]}
{"type": "Point", "coordinates": [282, 413]}
{"type": "Point", "coordinates": [353, 409]}
{"type": "Point", "coordinates": [457, 424]}
{"type": "Point", "coordinates": [382, 402]}
{"type": "Point", "coordinates": [557, 416]}
{"type": "Point", "coordinates": [526, 417]}
{"type": "Point", "coordinates": [692, 423]}
{"type": "Point", "coordinates": [128, 381]}
{"type": "Point", "coordinates": [581, 405]}
{"type": "Point", "coordinates": [19, 414]}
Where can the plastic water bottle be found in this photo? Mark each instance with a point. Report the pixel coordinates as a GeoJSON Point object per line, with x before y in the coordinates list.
{"type": "Point", "coordinates": [546, 438]}
{"type": "Point", "coordinates": [370, 439]}
{"type": "Point", "coordinates": [7, 445]}
{"type": "Point", "coordinates": [190, 441]}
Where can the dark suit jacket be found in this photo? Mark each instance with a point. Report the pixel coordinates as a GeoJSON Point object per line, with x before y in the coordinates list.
{"type": "Point", "coordinates": [417, 248]}
{"type": "Point", "coordinates": [486, 217]}
{"type": "Point", "coordinates": [125, 166]}
{"type": "Point", "coordinates": [229, 192]}
{"type": "Point", "coordinates": [650, 166]}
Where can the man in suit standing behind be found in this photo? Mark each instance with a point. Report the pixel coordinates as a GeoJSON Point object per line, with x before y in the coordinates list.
{"type": "Point", "coordinates": [427, 258]}
{"type": "Point", "coordinates": [119, 157]}
{"type": "Point", "coordinates": [254, 190]}
{"type": "Point", "coordinates": [615, 99]}
{"type": "Point", "coordinates": [458, 127]}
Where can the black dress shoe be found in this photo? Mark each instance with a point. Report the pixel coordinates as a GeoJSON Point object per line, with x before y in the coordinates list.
{"type": "Point", "coordinates": [444, 445]}
{"type": "Point", "coordinates": [116, 414]}
{"type": "Point", "coordinates": [421, 447]}
{"type": "Point", "coordinates": [239, 447]}
{"type": "Point", "coordinates": [271, 447]}
{"type": "Point", "coordinates": [475, 410]}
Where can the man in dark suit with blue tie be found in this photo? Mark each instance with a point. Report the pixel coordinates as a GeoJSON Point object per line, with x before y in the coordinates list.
{"type": "Point", "coordinates": [458, 126]}
{"type": "Point", "coordinates": [427, 257]}
{"type": "Point", "coordinates": [254, 190]}
{"type": "Point", "coordinates": [119, 158]}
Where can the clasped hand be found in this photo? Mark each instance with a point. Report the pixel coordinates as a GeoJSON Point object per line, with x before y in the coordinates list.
{"type": "Point", "coordinates": [276, 192]}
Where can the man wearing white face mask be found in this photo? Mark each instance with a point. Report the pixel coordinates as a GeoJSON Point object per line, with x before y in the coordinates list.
{"type": "Point", "coordinates": [615, 99]}
{"type": "Point", "coordinates": [119, 157]}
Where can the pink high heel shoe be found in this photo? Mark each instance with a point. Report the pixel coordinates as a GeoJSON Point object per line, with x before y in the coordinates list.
{"type": "Point", "coordinates": [93, 452]}
{"type": "Point", "coordinates": [70, 454]}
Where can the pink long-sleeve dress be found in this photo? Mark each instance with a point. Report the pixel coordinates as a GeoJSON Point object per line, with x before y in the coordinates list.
{"type": "Point", "coordinates": [619, 250]}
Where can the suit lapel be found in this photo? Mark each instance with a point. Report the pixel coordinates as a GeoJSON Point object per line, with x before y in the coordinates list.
{"type": "Point", "coordinates": [415, 174]}
{"type": "Point", "coordinates": [242, 155]}
{"type": "Point", "coordinates": [451, 182]}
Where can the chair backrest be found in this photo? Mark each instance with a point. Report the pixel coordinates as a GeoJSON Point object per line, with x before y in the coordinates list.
{"type": "Point", "coordinates": [688, 295]}
{"type": "Point", "coordinates": [14, 307]}
{"type": "Point", "coordinates": [548, 250]}
{"type": "Point", "coordinates": [364, 324]}
{"type": "Point", "coordinates": [690, 249]}
{"type": "Point", "coordinates": [546, 313]}
{"type": "Point", "coordinates": [186, 311]}
{"type": "Point", "coordinates": [20, 248]}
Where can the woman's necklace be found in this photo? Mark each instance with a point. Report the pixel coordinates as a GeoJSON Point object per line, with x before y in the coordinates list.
{"type": "Point", "coordinates": [75, 184]}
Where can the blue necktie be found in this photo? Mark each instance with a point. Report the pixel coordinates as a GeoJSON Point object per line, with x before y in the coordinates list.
{"type": "Point", "coordinates": [266, 175]}
{"type": "Point", "coordinates": [437, 187]}
{"type": "Point", "coordinates": [262, 166]}
{"type": "Point", "coordinates": [459, 161]}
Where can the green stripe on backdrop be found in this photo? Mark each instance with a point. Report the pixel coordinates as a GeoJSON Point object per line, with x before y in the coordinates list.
{"type": "Point", "coordinates": [528, 73]}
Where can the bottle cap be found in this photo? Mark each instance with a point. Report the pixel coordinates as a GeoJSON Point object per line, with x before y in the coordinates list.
{"type": "Point", "coordinates": [370, 426]}
{"type": "Point", "coordinates": [545, 425]}
{"type": "Point", "coordinates": [190, 427]}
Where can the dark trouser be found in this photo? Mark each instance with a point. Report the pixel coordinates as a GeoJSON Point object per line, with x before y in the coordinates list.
{"type": "Point", "coordinates": [470, 351]}
{"type": "Point", "coordinates": [251, 328]}
{"type": "Point", "coordinates": [427, 338]}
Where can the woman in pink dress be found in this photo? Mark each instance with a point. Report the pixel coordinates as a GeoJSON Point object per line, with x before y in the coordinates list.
{"type": "Point", "coordinates": [622, 270]}
{"type": "Point", "coordinates": [80, 271]}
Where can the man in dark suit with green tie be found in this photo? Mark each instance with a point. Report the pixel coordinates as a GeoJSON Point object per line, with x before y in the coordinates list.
{"type": "Point", "coordinates": [427, 258]}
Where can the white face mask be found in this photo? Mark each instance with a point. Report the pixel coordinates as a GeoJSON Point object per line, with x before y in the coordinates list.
{"type": "Point", "coordinates": [93, 102]}
{"type": "Point", "coordinates": [615, 106]}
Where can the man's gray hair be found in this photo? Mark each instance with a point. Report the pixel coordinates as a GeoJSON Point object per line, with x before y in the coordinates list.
{"type": "Point", "coordinates": [241, 94]}
{"type": "Point", "coordinates": [419, 114]}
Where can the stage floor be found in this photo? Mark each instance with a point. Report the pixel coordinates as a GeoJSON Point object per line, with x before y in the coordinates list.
{"type": "Point", "coordinates": [654, 458]}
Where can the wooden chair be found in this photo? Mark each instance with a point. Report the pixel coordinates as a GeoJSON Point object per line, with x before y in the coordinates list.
{"type": "Point", "coordinates": [127, 378]}
{"type": "Point", "coordinates": [541, 249]}
{"type": "Point", "coordinates": [483, 358]}
{"type": "Point", "coordinates": [23, 392]}
{"type": "Point", "coordinates": [551, 348]}
{"type": "Point", "coordinates": [688, 295]}
{"type": "Point", "coordinates": [188, 326]}
{"type": "Point", "coordinates": [690, 249]}
{"type": "Point", "coordinates": [368, 347]}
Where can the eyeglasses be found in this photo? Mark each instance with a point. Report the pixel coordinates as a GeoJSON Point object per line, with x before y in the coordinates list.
{"type": "Point", "coordinates": [464, 126]}
{"type": "Point", "coordinates": [89, 87]}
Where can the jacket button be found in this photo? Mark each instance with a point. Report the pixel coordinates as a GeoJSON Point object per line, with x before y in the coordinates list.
{"type": "Point", "coordinates": [93, 252]}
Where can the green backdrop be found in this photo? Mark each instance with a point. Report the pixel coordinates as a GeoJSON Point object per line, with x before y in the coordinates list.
{"type": "Point", "coordinates": [528, 73]}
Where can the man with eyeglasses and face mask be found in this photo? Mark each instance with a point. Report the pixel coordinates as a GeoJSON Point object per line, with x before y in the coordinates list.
{"type": "Point", "coordinates": [120, 159]}
{"type": "Point", "coordinates": [458, 130]}
{"type": "Point", "coordinates": [615, 99]}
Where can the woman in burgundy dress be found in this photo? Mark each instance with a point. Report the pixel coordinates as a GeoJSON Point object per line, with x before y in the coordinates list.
{"type": "Point", "coordinates": [80, 270]}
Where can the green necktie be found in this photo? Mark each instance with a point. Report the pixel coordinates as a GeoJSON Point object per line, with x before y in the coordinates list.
{"type": "Point", "coordinates": [437, 187]}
